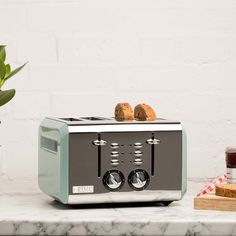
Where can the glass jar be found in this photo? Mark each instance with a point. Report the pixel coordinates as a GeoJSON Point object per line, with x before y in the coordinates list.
{"type": "Point", "coordinates": [230, 157]}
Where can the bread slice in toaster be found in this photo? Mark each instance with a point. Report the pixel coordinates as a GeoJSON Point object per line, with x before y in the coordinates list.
{"type": "Point", "coordinates": [144, 112]}
{"type": "Point", "coordinates": [123, 111]}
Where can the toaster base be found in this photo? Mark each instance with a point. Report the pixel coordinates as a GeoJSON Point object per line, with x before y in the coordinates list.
{"type": "Point", "coordinates": [144, 196]}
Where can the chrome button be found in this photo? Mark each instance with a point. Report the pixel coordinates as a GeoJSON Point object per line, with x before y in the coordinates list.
{"type": "Point", "coordinates": [138, 153]}
{"type": "Point", "coordinates": [114, 154]}
{"type": "Point", "coordinates": [114, 145]}
{"type": "Point", "coordinates": [114, 162]}
{"type": "Point", "coordinates": [138, 145]}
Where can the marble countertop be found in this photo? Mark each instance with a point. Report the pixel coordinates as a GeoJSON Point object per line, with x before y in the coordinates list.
{"type": "Point", "coordinates": [24, 210]}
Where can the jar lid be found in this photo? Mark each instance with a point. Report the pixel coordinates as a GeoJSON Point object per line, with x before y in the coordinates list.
{"type": "Point", "coordinates": [230, 150]}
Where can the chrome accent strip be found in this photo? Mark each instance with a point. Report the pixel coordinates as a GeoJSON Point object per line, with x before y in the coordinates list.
{"type": "Point", "coordinates": [124, 128]}
{"type": "Point", "coordinates": [135, 196]}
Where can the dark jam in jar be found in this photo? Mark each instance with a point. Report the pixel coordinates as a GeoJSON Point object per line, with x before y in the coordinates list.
{"type": "Point", "coordinates": [230, 153]}
{"type": "Point", "coordinates": [230, 157]}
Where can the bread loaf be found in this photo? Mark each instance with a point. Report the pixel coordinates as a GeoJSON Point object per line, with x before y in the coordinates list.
{"type": "Point", "coordinates": [144, 112]}
{"type": "Point", "coordinates": [226, 190]}
{"type": "Point", "coordinates": [124, 111]}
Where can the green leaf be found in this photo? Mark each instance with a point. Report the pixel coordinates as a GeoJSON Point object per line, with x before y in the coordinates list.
{"type": "Point", "coordinates": [2, 70]}
{"type": "Point", "coordinates": [8, 70]}
{"type": "Point", "coordinates": [6, 96]}
{"type": "Point", "coordinates": [14, 72]}
{"type": "Point", "coordinates": [2, 52]}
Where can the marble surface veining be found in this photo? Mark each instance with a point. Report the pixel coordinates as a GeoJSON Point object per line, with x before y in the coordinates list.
{"type": "Point", "coordinates": [24, 210]}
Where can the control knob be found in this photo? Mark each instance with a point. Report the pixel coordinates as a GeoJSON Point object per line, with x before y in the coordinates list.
{"type": "Point", "coordinates": [113, 180]}
{"type": "Point", "coordinates": [138, 179]}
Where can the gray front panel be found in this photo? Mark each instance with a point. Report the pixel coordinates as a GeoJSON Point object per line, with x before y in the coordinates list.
{"type": "Point", "coordinates": [126, 153]}
{"type": "Point", "coordinates": [168, 161]}
{"type": "Point", "coordinates": [82, 160]}
{"type": "Point", "coordinates": [164, 168]}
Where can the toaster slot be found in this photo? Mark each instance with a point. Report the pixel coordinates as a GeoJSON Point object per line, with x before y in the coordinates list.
{"type": "Point", "coordinates": [94, 118]}
{"type": "Point", "coordinates": [99, 157]}
{"type": "Point", "coordinates": [70, 119]}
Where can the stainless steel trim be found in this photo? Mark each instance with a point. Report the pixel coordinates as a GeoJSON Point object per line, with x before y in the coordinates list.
{"type": "Point", "coordinates": [135, 196]}
{"type": "Point", "coordinates": [124, 128]}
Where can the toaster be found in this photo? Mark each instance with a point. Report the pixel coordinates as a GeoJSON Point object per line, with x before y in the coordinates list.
{"type": "Point", "coordinates": [90, 160]}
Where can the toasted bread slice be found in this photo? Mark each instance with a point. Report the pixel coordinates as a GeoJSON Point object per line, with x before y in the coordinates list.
{"type": "Point", "coordinates": [123, 111]}
{"type": "Point", "coordinates": [226, 190]}
{"type": "Point", "coordinates": [144, 112]}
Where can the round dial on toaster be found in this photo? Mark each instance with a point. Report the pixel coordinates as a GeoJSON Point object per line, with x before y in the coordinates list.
{"type": "Point", "coordinates": [113, 180]}
{"type": "Point", "coordinates": [138, 179]}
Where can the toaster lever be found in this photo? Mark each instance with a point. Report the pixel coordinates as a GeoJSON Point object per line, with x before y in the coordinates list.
{"type": "Point", "coordinates": [153, 141]}
{"type": "Point", "coordinates": [99, 142]}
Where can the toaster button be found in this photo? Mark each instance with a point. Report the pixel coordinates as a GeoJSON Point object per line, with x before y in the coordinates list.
{"type": "Point", "coordinates": [138, 145]}
{"type": "Point", "coordinates": [114, 154]}
{"type": "Point", "coordinates": [114, 145]}
{"type": "Point", "coordinates": [138, 163]}
{"type": "Point", "coordinates": [138, 153]}
{"type": "Point", "coordinates": [114, 162]}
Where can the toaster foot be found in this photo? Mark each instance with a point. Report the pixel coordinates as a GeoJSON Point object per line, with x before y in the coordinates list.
{"type": "Point", "coordinates": [166, 203]}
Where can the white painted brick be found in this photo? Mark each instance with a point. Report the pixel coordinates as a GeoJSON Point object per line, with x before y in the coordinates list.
{"type": "Point", "coordinates": [86, 104]}
{"type": "Point", "coordinates": [12, 18]}
{"type": "Point", "coordinates": [205, 50]}
{"type": "Point", "coordinates": [20, 160]}
{"type": "Point", "coordinates": [24, 131]}
{"type": "Point", "coordinates": [73, 79]}
{"type": "Point", "coordinates": [99, 50]}
{"type": "Point", "coordinates": [70, 17]}
{"type": "Point", "coordinates": [31, 105]}
{"type": "Point", "coordinates": [158, 50]}
{"type": "Point", "coordinates": [160, 78]}
{"type": "Point", "coordinates": [36, 48]}
{"type": "Point", "coordinates": [199, 106]}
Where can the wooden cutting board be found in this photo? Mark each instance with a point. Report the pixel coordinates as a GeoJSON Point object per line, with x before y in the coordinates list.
{"type": "Point", "coordinates": [212, 202]}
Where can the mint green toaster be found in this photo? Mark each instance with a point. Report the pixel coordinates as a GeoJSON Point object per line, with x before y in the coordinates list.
{"type": "Point", "coordinates": [90, 160]}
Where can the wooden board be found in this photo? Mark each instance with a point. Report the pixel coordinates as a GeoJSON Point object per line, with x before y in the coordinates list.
{"type": "Point", "coordinates": [212, 202]}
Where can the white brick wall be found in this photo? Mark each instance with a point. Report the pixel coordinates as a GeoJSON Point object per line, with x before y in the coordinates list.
{"type": "Point", "coordinates": [178, 56]}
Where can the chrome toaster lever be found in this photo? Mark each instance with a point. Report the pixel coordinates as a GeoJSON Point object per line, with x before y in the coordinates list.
{"type": "Point", "coordinates": [153, 141]}
{"type": "Point", "coordinates": [99, 142]}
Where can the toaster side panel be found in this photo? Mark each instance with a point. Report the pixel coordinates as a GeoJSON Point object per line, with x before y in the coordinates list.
{"type": "Point", "coordinates": [184, 162]}
{"type": "Point", "coordinates": [53, 159]}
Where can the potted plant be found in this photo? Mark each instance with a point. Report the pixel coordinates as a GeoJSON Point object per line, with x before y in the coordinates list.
{"type": "Point", "coordinates": [6, 73]}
